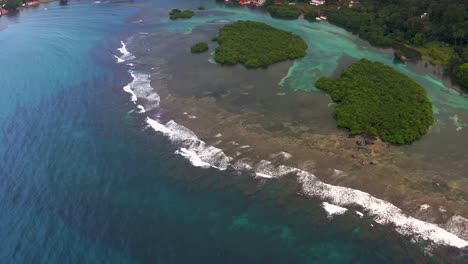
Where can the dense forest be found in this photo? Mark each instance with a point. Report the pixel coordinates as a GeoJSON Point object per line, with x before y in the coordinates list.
{"type": "Point", "coordinates": [373, 98]}
{"type": "Point", "coordinates": [437, 29]}
{"type": "Point", "coordinates": [284, 12]}
{"type": "Point", "coordinates": [256, 44]}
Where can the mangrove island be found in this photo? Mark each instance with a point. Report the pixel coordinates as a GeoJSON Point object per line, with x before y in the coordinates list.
{"type": "Point", "coordinates": [256, 44]}
{"type": "Point", "coordinates": [176, 14]}
{"type": "Point", "coordinates": [373, 98]}
{"type": "Point", "coordinates": [199, 47]}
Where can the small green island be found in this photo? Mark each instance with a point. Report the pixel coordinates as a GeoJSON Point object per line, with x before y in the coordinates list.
{"type": "Point", "coordinates": [177, 14]}
{"type": "Point", "coordinates": [284, 12]}
{"type": "Point", "coordinates": [373, 98]}
{"type": "Point", "coordinates": [200, 47]}
{"type": "Point", "coordinates": [256, 44]}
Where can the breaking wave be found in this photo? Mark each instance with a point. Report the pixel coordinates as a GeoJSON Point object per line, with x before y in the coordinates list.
{"type": "Point", "coordinates": [190, 146]}
{"type": "Point", "coordinates": [140, 87]}
{"type": "Point", "coordinates": [383, 212]}
{"type": "Point", "coordinates": [126, 55]}
{"type": "Point", "coordinates": [197, 151]}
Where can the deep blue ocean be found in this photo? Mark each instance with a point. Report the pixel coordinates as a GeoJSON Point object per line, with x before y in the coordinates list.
{"type": "Point", "coordinates": [82, 181]}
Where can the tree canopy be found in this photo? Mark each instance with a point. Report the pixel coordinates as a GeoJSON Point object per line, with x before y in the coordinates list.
{"type": "Point", "coordinates": [12, 4]}
{"type": "Point", "coordinates": [373, 98]}
{"type": "Point", "coordinates": [199, 47]}
{"type": "Point", "coordinates": [284, 12]}
{"type": "Point", "coordinates": [438, 29]}
{"type": "Point", "coordinates": [256, 44]}
{"type": "Point", "coordinates": [176, 14]}
{"type": "Point", "coordinates": [463, 73]}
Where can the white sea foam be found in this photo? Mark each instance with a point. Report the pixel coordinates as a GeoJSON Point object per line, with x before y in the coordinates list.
{"type": "Point", "coordinates": [126, 55]}
{"type": "Point", "coordinates": [197, 151]}
{"type": "Point", "coordinates": [141, 109]}
{"type": "Point", "coordinates": [338, 173]}
{"type": "Point", "coordinates": [457, 123]}
{"type": "Point", "coordinates": [282, 154]}
{"type": "Point", "coordinates": [382, 211]}
{"type": "Point", "coordinates": [424, 207]}
{"type": "Point", "coordinates": [266, 169]}
{"type": "Point", "coordinates": [333, 209]}
{"type": "Point", "coordinates": [359, 213]}
{"type": "Point", "coordinates": [129, 90]}
{"type": "Point", "coordinates": [141, 90]}
{"type": "Point", "coordinates": [242, 165]}
{"type": "Point", "coordinates": [119, 60]}
{"type": "Point", "coordinates": [457, 225]}
{"type": "Point", "coordinates": [221, 21]}
{"type": "Point", "coordinates": [193, 157]}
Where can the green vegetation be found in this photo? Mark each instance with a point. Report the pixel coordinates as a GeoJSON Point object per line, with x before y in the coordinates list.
{"type": "Point", "coordinates": [176, 14]}
{"type": "Point", "coordinates": [436, 53]}
{"type": "Point", "coordinates": [284, 12]}
{"type": "Point", "coordinates": [438, 29]}
{"type": "Point", "coordinates": [214, 39]}
{"type": "Point", "coordinates": [12, 4]}
{"type": "Point", "coordinates": [311, 15]}
{"type": "Point", "coordinates": [398, 54]}
{"type": "Point", "coordinates": [199, 47]}
{"type": "Point", "coordinates": [373, 98]}
{"type": "Point", "coordinates": [256, 44]}
{"type": "Point", "coordinates": [463, 73]}
{"type": "Point", "coordinates": [201, 8]}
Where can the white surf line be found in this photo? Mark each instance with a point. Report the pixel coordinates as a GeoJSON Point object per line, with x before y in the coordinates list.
{"type": "Point", "coordinates": [191, 147]}
{"type": "Point", "coordinates": [129, 90]}
{"type": "Point", "coordinates": [126, 55]}
{"type": "Point", "coordinates": [382, 211]}
{"type": "Point", "coordinates": [140, 87]}
{"type": "Point", "coordinates": [333, 209]}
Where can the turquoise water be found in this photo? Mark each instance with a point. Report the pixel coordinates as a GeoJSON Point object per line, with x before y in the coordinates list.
{"type": "Point", "coordinates": [328, 44]}
{"type": "Point", "coordinates": [83, 181]}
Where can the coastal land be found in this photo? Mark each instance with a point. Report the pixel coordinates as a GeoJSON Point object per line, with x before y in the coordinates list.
{"type": "Point", "coordinates": [434, 31]}
{"type": "Point", "coordinates": [8, 6]}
